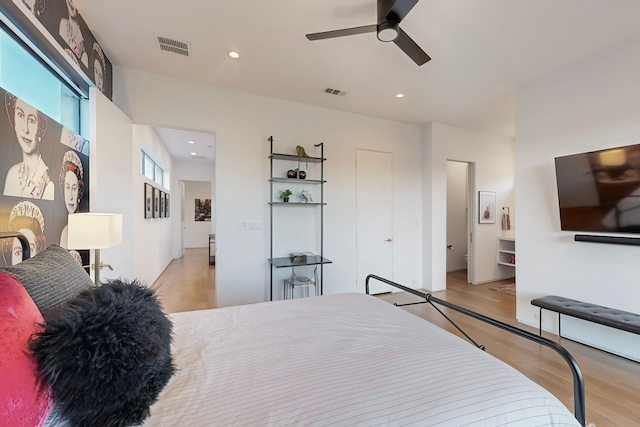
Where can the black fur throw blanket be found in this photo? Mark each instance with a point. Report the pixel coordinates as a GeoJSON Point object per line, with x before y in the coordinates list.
{"type": "Point", "coordinates": [106, 354]}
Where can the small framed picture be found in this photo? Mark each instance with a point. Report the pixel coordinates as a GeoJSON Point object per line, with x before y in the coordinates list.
{"type": "Point", "coordinates": [166, 205]}
{"type": "Point", "coordinates": [156, 202]}
{"type": "Point", "coordinates": [161, 204]}
{"type": "Point", "coordinates": [486, 207]}
{"type": "Point", "coordinates": [148, 201]}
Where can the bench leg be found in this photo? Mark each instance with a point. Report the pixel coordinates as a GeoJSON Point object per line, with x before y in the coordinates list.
{"type": "Point", "coordinates": [559, 330]}
{"type": "Point", "coordinates": [540, 320]}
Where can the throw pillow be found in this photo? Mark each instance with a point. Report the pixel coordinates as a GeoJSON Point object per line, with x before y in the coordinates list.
{"type": "Point", "coordinates": [52, 277]}
{"type": "Point", "coordinates": [107, 355]}
{"type": "Point", "coordinates": [23, 402]}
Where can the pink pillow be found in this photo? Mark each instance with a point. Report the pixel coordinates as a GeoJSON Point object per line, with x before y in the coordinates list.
{"type": "Point", "coordinates": [22, 401]}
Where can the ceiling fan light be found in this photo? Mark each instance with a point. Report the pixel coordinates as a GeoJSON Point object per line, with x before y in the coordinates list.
{"type": "Point", "coordinates": [387, 31]}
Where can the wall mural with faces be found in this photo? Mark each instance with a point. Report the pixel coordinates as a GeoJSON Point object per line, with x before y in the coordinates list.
{"type": "Point", "coordinates": [60, 18]}
{"type": "Point", "coordinates": [44, 168]}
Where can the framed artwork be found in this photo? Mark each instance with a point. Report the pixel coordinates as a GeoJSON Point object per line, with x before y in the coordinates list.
{"type": "Point", "coordinates": [203, 210]}
{"type": "Point", "coordinates": [148, 201]}
{"type": "Point", "coordinates": [166, 205]}
{"type": "Point", "coordinates": [156, 202]}
{"type": "Point", "coordinates": [161, 197]}
{"type": "Point", "coordinates": [486, 207]}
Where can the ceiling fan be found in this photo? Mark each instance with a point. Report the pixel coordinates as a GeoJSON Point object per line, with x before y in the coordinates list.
{"type": "Point", "coordinates": [390, 13]}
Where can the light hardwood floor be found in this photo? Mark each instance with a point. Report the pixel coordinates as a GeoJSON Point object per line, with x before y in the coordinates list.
{"type": "Point", "coordinates": [612, 383]}
{"type": "Point", "coordinates": [187, 283]}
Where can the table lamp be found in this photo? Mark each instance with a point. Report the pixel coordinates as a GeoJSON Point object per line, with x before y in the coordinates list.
{"type": "Point", "coordinates": [95, 231]}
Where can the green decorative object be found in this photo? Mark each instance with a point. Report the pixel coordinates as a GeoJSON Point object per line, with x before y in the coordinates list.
{"type": "Point", "coordinates": [302, 154]}
{"type": "Point", "coordinates": [285, 194]}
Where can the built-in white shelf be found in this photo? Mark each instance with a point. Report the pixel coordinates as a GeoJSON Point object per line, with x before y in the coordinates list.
{"type": "Point", "coordinates": [507, 251]}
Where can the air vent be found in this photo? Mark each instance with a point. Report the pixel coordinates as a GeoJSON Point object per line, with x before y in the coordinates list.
{"type": "Point", "coordinates": [199, 157]}
{"type": "Point", "coordinates": [174, 46]}
{"type": "Point", "coordinates": [335, 92]}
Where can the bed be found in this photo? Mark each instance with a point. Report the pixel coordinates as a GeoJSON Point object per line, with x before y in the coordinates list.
{"type": "Point", "coordinates": [336, 360]}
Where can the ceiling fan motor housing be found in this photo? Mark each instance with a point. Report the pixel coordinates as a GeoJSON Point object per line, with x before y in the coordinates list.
{"type": "Point", "coordinates": [387, 31]}
{"type": "Point", "coordinates": [388, 20]}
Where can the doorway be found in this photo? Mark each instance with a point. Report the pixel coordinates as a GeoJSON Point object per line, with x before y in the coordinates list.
{"type": "Point", "coordinates": [193, 160]}
{"type": "Point", "coordinates": [374, 218]}
{"type": "Point", "coordinates": [460, 202]}
{"type": "Point", "coordinates": [197, 215]}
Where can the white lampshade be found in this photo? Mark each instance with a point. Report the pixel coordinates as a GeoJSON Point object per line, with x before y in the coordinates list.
{"type": "Point", "coordinates": [94, 230]}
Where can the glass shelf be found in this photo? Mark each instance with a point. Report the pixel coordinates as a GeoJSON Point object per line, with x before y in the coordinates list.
{"type": "Point", "coordinates": [288, 261]}
{"type": "Point", "coordinates": [297, 203]}
{"type": "Point", "coordinates": [297, 181]}
{"type": "Point", "coordinates": [294, 157]}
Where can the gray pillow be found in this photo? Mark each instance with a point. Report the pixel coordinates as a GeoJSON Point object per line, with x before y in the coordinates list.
{"type": "Point", "coordinates": [52, 277]}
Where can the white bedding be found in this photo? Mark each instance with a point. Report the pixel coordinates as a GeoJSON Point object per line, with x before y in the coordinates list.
{"type": "Point", "coordinates": [338, 360]}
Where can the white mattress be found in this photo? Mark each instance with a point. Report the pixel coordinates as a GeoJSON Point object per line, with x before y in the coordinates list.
{"type": "Point", "coordinates": [339, 360]}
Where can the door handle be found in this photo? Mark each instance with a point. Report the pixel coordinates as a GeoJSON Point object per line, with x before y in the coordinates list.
{"type": "Point", "coordinates": [389, 239]}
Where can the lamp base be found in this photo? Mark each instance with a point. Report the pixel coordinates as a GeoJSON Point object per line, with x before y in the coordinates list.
{"type": "Point", "coordinates": [97, 267]}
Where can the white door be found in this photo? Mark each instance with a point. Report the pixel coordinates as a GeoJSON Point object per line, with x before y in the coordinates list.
{"type": "Point", "coordinates": [374, 209]}
{"type": "Point", "coordinates": [182, 226]}
{"type": "Point", "coordinates": [471, 221]}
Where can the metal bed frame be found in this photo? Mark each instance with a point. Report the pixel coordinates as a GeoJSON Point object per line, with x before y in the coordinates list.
{"type": "Point", "coordinates": [578, 380]}
{"type": "Point", "coordinates": [24, 242]}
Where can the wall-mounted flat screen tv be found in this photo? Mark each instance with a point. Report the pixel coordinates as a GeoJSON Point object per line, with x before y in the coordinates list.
{"type": "Point", "coordinates": [599, 191]}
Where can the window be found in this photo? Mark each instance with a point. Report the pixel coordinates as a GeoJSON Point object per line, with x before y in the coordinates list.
{"type": "Point", "coordinates": [151, 169]}
{"type": "Point", "coordinates": [27, 78]}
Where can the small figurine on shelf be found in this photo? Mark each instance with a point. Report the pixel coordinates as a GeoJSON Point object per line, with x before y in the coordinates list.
{"type": "Point", "coordinates": [307, 196]}
{"type": "Point", "coordinates": [285, 194]}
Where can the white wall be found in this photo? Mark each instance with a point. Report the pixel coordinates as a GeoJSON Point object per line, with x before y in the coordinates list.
{"type": "Point", "coordinates": [493, 158]}
{"type": "Point", "coordinates": [111, 169]}
{"type": "Point", "coordinates": [196, 233]}
{"type": "Point", "coordinates": [118, 186]}
{"type": "Point", "coordinates": [587, 106]}
{"type": "Point", "coordinates": [243, 123]}
{"type": "Point", "coordinates": [153, 240]}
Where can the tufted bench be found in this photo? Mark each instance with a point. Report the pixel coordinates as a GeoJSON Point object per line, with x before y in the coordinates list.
{"type": "Point", "coordinates": [612, 317]}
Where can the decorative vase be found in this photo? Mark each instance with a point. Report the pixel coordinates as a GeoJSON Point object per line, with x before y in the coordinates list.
{"type": "Point", "coordinates": [291, 173]}
{"type": "Point", "coordinates": [302, 175]}
{"type": "Point", "coordinates": [286, 200]}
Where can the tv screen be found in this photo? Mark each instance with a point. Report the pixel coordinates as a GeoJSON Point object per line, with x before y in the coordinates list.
{"type": "Point", "coordinates": [600, 191]}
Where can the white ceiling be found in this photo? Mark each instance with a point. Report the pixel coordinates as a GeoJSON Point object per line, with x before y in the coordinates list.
{"type": "Point", "coordinates": [178, 143]}
{"type": "Point", "coordinates": [481, 50]}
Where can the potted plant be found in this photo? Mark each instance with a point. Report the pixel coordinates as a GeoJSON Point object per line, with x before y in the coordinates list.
{"type": "Point", "coordinates": [284, 195]}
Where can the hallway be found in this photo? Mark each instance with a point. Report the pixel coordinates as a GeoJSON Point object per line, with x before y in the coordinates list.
{"type": "Point", "coordinates": [187, 283]}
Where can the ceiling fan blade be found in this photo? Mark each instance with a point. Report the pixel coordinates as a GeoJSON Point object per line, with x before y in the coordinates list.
{"type": "Point", "coordinates": [394, 10]}
{"type": "Point", "coordinates": [415, 52]}
{"type": "Point", "coordinates": [342, 33]}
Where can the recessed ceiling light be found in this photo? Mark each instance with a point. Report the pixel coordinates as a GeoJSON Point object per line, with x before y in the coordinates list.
{"type": "Point", "coordinates": [399, 95]}
{"type": "Point", "coordinates": [193, 154]}
{"type": "Point", "coordinates": [192, 142]}
{"type": "Point", "coordinates": [234, 54]}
